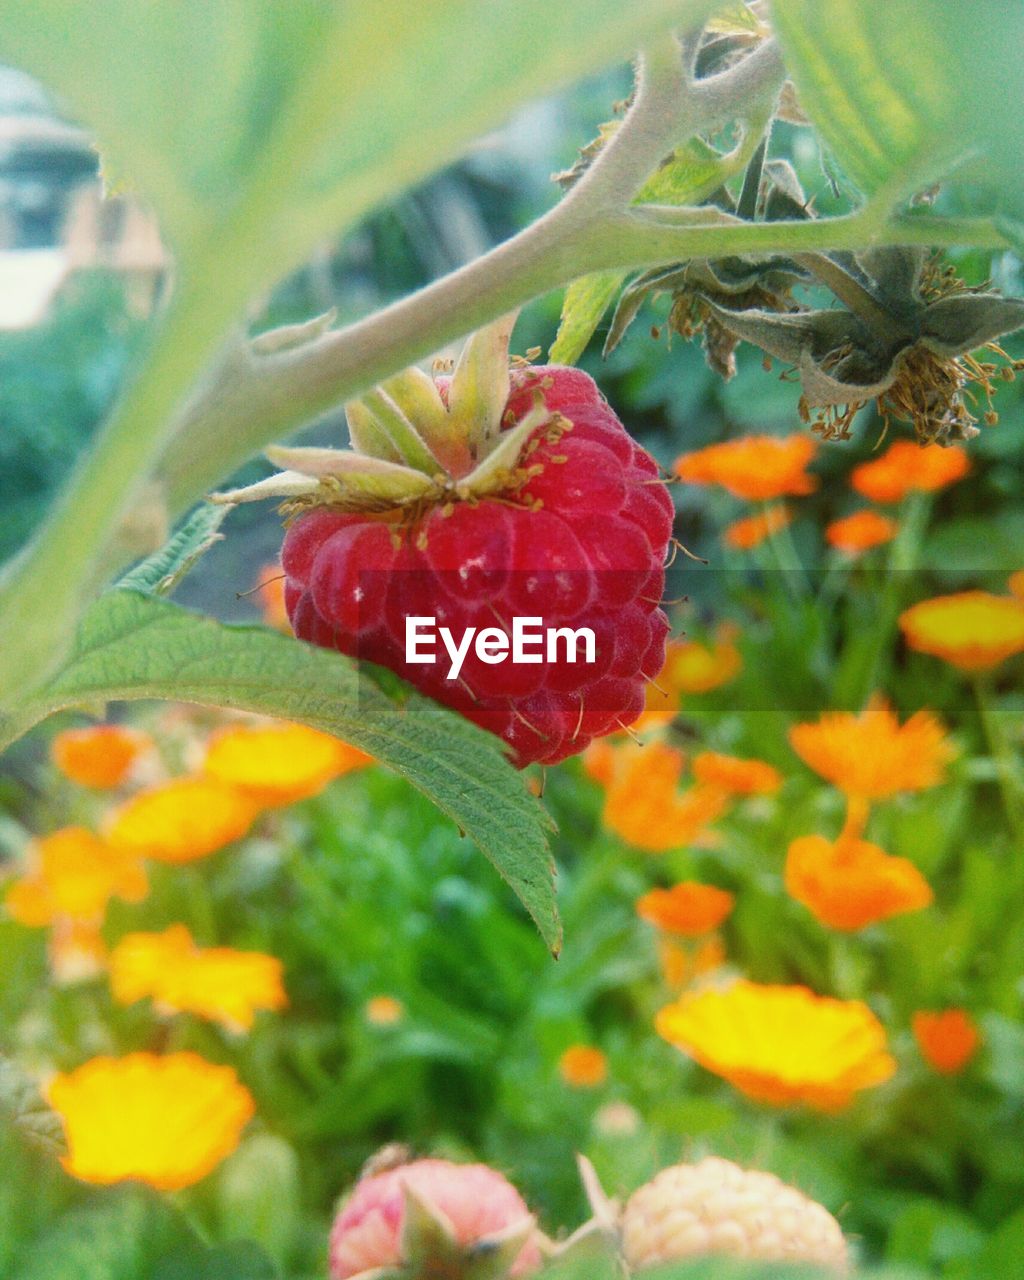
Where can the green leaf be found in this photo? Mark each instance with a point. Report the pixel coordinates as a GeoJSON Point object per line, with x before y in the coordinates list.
{"type": "Point", "coordinates": [586, 301]}
{"type": "Point", "coordinates": [161, 572]}
{"type": "Point", "coordinates": [22, 1105]}
{"type": "Point", "coordinates": [906, 91]}
{"type": "Point", "coordinates": [301, 116]}
{"type": "Point", "coordinates": [132, 646]}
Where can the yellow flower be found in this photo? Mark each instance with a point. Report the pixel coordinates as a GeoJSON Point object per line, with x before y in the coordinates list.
{"type": "Point", "coordinates": [972, 630]}
{"type": "Point", "coordinates": [181, 820]}
{"type": "Point", "coordinates": [736, 776]}
{"type": "Point", "coordinates": [167, 1121]}
{"type": "Point", "coordinates": [73, 874]}
{"type": "Point", "coordinates": [691, 667]}
{"type": "Point", "coordinates": [688, 908]}
{"type": "Point", "coordinates": [583, 1067]}
{"type": "Point", "coordinates": [384, 1011]}
{"type": "Point", "coordinates": [872, 755]}
{"type": "Point", "coordinates": [751, 531]}
{"type": "Point", "coordinates": [852, 883]}
{"type": "Point", "coordinates": [781, 1045]}
{"type": "Point", "coordinates": [860, 532]}
{"type": "Point", "coordinates": [277, 764]}
{"type": "Point", "coordinates": [757, 468]}
{"type": "Point", "coordinates": [643, 806]}
{"type": "Point", "coordinates": [101, 756]}
{"type": "Point", "coordinates": [217, 983]}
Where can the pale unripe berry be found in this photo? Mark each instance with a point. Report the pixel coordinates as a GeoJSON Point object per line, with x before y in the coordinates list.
{"type": "Point", "coordinates": [714, 1206]}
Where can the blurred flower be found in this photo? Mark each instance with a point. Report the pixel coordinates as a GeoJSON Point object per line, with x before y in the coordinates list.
{"type": "Point", "coordinates": [736, 776]}
{"type": "Point", "coordinates": [100, 756]}
{"type": "Point", "coordinates": [688, 908]}
{"type": "Point", "coordinates": [73, 874]}
{"type": "Point", "coordinates": [181, 820]}
{"type": "Point", "coordinates": [872, 755]}
{"type": "Point", "coordinates": [1016, 584]}
{"type": "Point", "coordinates": [167, 1121]}
{"type": "Point", "coordinates": [779, 1044]}
{"type": "Point", "coordinates": [643, 807]}
{"type": "Point", "coordinates": [217, 983]}
{"type": "Point", "coordinates": [680, 965]}
{"type": "Point", "coordinates": [599, 761]}
{"type": "Point", "coordinates": [757, 468]}
{"type": "Point", "coordinates": [906, 467]}
{"type": "Point", "coordinates": [751, 531]}
{"type": "Point", "coordinates": [270, 588]}
{"type": "Point", "coordinates": [971, 630]}
{"type": "Point", "coordinates": [384, 1011]}
{"type": "Point", "coordinates": [617, 1120]}
{"type": "Point", "coordinates": [691, 667]}
{"type": "Point", "coordinates": [277, 764]}
{"type": "Point", "coordinates": [850, 883]}
{"type": "Point", "coordinates": [583, 1067]}
{"type": "Point", "coordinates": [948, 1040]}
{"type": "Point", "coordinates": [860, 532]}
{"type": "Point", "coordinates": [76, 951]}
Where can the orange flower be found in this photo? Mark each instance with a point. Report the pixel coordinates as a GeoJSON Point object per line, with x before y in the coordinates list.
{"type": "Point", "coordinates": [217, 983]}
{"type": "Point", "coordinates": [270, 588]}
{"type": "Point", "coordinates": [181, 820]}
{"type": "Point", "coordinates": [860, 532]}
{"type": "Point", "coordinates": [688, 908]}
{"type": "Point", "coordinates": [681, 965]}
{"type": "Point", "coordinates": [644, 808]}
{"type": "Point", "coordinates": [76, 952]}
{"type": "Point", "coordinates": [1016, 584]}
{"type": "Point", "coordinates": [781, 1045]}
{"type": "Point", "coordinates": [384, 1011]}
{"type": "Point", "coordinates": [599, 761]}
{"type": "Point", "coordinates": [277, 764]}
{"type": "Point", "coordinates": [948, 1040]}
{"type": "Point", "coordinates": [73, 875]}
{"type": "Point", "coordinates": [751, 531]}
{"type": "Point", "coordinates": [691, 667]}
{"type": "Point", "coordinates": [971, 630]}
{"type": "Point", "coordinates": [757, 468]}
{"type": "Point", "coordinates": [906, 467]}
{"type": "Point", "coordinates": [735, 776]}
{"type": "Point", "coordinates": [851, 883]}
{"type": "Point", "coordinates": [167, 1121]}
{"type": "Point", "coordinates": [583, 1067]}
{"type": "Point", "coordinates": [871, 755]}
{"type": "Point", "coordinates": [100, 756]}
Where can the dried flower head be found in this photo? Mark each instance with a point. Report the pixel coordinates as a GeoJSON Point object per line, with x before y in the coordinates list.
{"type": "Point", "coordinates": [167, 1121]}
{"type": "Point", "coordinates": [972, 630]}
{"type": "Point", "coordinates": [871, 755]}
{"type": "Point", "coordinates": [781, 1045]}
{"type": "Point", "coordinates": [850, 883]}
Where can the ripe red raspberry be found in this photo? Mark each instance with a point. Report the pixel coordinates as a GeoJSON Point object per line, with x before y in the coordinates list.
{"type": "Point", "coordinates": [506, 494]}
{"type": "Point", "coordinates": [462, 1206]}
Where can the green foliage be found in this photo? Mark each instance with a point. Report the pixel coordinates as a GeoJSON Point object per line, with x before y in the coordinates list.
{"type": "Point", "coordinates": [909, 91]}
{"type": "Point", "coordinates": [132, 646]}
{"type": "Point", "coordinates": [161, 572]}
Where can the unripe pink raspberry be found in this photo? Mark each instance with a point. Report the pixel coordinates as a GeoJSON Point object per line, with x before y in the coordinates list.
{"type": "Point", "coordinates": [714, 1206]}
{"type": "Point", "coordinates": [465, 1215]}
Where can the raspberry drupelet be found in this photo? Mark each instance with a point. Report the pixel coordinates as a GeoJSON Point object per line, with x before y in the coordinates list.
{"type": "Point", "coordinates": [532, 501]}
